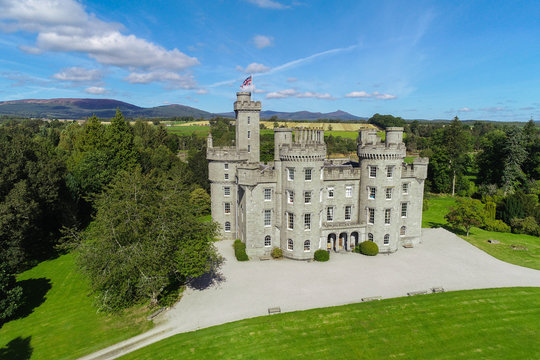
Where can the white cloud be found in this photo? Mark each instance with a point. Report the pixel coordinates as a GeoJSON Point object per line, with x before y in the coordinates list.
{"type": "Point", "coordinates": [78, 74]}
{"type": "Point", "coordinates": [173, 79]}
{"type": "Point", "coordinates": [65, 26]}
{"type": "Point", "coordinates": [253, 68]}
{"type": "Point", "coordinates": [366, 95]}
{"type": "Point", "coordinates": [262, 41]}
{"type": "Point", "coordinates": [95, 90]}
{"type": "Point", "coordinates": [202, 91]}
{"type": "Point", "coordinates": [287, 93]}
{"type": "Point", "coordinates": [268, 4]}
{"type": "Point", "coordinates": [260, 91]}
{"type": "Point", "coordinates": [494, 109]}
{"type": "Point", "coordinates": [465, 109]}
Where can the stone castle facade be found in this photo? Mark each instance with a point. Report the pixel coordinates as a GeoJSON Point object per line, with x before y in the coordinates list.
{"type": "Point", "coordinates": [302, 201]}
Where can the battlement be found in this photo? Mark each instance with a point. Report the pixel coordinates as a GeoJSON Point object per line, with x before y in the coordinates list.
{"type": "Point", "coordinates": [370, 145]}
{"type": "Point", "coordinates": [226, 153]}
{"type": "Point", "coordinates": [252, 175]}
{"type": "Point", "coordinates": [341, 172]}
{"type": "Point", "coordinates": [302, 152]}
{"type": "Point", "coordinates": [244, 103]}
{"type": "Point", "coordinates": [418, 169]}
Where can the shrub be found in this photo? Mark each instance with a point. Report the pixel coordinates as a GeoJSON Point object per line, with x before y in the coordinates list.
{"type": "Point", "coordinates": [527, 225]}
{"type": "Point", "coordinates": [496, 225]}
{"type": "Point", "coordinates": [369, 248]}
{"type": "Point", "coordinates": [277, 253]}
{"type": "Point", "coordinates": [240, 250]}
{"type": "Point", "coordinates": [321, 255]}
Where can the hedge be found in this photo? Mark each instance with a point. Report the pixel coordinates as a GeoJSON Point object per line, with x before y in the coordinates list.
{"type": "Point", "coordinates": [369, 248]}
{"type": "Point", "coordinates": [321, 255]}
{"type": "Point", "coordinates": [277, 253]}
{"type": "Point", "coordinates": [240, 250]}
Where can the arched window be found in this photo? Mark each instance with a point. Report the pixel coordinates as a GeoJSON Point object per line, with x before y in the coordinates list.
{"type": "Point", "coordinates": [386, 239]}
{"type": "Point", "coordinates": [307, 245]}
{"type": "Point", "coordinates": [370, 237]}
{"type": "Point", "coordinates": [290, 245]}
{"type": "Point", "coordinates": [267, 241]}
{"type": "Point", "coordinates": [402, 230]}
{"type": "Point", "coordinates": [227, 226]}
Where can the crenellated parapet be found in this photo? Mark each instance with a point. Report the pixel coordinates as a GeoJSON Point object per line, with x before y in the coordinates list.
{"type": "Point", "coordinates": [370, 145]}
{"type": "Point", "coordinates": [251, 176]}
{"type": "Point", "coordinates": [226, 153]}
{"type": "Point", "coordinates": [341, 172]}
{"type": "Point", "coordinates": [302, 152]}
{"type": "Point", "coordinates": [244, 102]}
{"type": "Point", "coordinates": [417, 170]}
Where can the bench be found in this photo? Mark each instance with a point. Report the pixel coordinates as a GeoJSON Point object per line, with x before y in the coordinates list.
{"type": "Point", "coordinates": [266, 257]}
{"type": "Point", "coordinates": [418, 292]}
{"type": "Point", "coordinates": [437, 289]}
{"type": "Point", "coordinates": [372, 298]}
{"type": "Point", "coordinates": [274, 310]}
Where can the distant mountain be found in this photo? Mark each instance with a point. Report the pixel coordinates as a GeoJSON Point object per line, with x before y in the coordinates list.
{"type": "Point", "coordinates": [82, 108]}
{"type": "Point", "coordinates": [304, 115]}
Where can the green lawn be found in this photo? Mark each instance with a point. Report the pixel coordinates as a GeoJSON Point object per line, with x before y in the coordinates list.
{"type": "Point", "coordinates": [528, 253]}
{"type": "Point", "coordinates": [344, 134]}
{"type": "Point", "coordinates": [60, 321]}
{"type": "Point", "coordinates": [475, 324]}
{"type": "Point", "coordinates": [200, 131]}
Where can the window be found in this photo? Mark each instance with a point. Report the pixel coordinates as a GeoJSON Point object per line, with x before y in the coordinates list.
{"type": "Point", "coordinates": [227, 226]}
{"type": "Point", "coordinates": [403, 230]}
{"type": "Point", "coordinates": [370, 237]}
{"type": "Point", "coordinates": [267, 217]}
{"type": "Point", "coordinates": [307, 245]}
{"type": "Point", "coordinates": [372, 192]}
{"type": "Point", "coordinates": [389, 171]}
{"type": "Point", "coordinates": [226, 176]}
{"type": "Point", "coordinates": [348, 211]}
{"type": "Point", "coordinates": [372, 171]}
{"type": "Point", "coordinates": [388, 193]}
{"type": "Point", "coordinates": [290, 173]}
{"type": "Point", "coordinates": [249, 148]}
{"type": "Point", "coordinates": [307, 197]}
{"type": "Point", "coordinates": [227, 191]}
{"type": "Point", "coordinates": [307, 174]}
{"type": "Point", "coordinates": [387, 213]}
{"type": "Point", "coordinates": [267, 194]}
{"type": "Point", "coordinates": [227, 208]}
{"type": "Point", "coordinates": [371, 216]}
{"type": "Point", "coordinates": [267, 241]}
{"type": "Point", "coordinates": [386, 239]}
{"type": "Point", "coordinates": [226, 166]}
{"type": "Point", "coordinates": [249, 120]}
{"type": "Point", "coordinates": [348, 191]}
{"type": "Point", "coordinates": [290, 197]}
{"type": "Point", "coordinates": [290, 245]}
{"type": "Point", "coordinates": [290, 223]}
{"type": "Point", "coordinates": [329, 214]}
{"type": "Point", "coordinates": [330, 192]}
{"type": "Point", "coordinates": [307, 221]}
{"type": "Point", "coordinates": [404, 209]}
{"type": "Point", "coordinates": [249, 134]}
{"type": "Point", "coordinates": [405, 188]}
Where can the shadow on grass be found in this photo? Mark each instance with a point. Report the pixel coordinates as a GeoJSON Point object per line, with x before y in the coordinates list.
{"type": "Point", "coordinates": [34, 291]}
{"type": "Point", "coordinates": [18, 348]}
{"type": "Point", "coordinates": [448, 227]}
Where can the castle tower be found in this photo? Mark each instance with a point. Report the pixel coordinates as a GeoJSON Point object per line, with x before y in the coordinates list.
{"type": "Point", "coordinates": [247, 125]}
{"type": "Point", "coordinates": [381, 186]}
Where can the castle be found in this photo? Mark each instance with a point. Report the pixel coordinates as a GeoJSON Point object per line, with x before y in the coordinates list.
{"type": "Point", "coordinates": [302, 201]}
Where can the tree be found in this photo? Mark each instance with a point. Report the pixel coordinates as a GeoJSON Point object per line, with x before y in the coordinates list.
{"type": "Point", "coordinates": [10, 294]}
{"type": "Point", "coordinates": [467, 213]}
{"type": "Point", "coordinates": [385, 121]}
{"type": "Point", "coordinates": [514, 156]}
{"type": "Point", "coordinates": [200, 200]}
{"type": "Point", "coordinates": [144, 234]}
{"type": "Point", "coordinates": [456, 143]}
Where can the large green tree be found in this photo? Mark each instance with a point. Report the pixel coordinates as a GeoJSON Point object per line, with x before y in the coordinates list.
{"type": "Point", "coordinates": [467, 213]}
{"type": "Point", "coordinates": [144, 234]}
{"type": "Point", "coordinates": [10, 294]}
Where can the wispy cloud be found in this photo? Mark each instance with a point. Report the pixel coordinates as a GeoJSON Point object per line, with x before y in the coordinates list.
{"type": "Point", "coordinates": [375, 95]}
{"type": "Point", "coordinates": [494, 109]}
{"type": "Point", "coordinates": [465, 109]}
{"type": "Point", "coordinates": [172, 79]}
{"type": "Point", "coordinates": [96, 90]}
{"type": "Point", "coordinates": [288, 93]}
{"type": "Point", "coordinates": [78, 74]}
{"type": "Point", "coordinates": [262, 41]}
{"type": "Point", "coordinates": [65, 26]}
{"type": "Point", "coordinates": [268, 4]}
{"type": "Point", "coordinates": [253, 68]}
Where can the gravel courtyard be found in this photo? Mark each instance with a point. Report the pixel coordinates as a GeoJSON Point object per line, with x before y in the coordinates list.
{"type": "Point", "coordinates": [247, 289]}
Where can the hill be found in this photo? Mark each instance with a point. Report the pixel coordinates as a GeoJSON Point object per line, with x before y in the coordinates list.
{"type": "Point", "coordinates": [69, 108]}
{"type": "Point", "coordinates": [304, 115]}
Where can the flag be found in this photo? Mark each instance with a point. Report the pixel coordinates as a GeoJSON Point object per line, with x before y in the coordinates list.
{"type": "Point", "coordinates": [247, 82]}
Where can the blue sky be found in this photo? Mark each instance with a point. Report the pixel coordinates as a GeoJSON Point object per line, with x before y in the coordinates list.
{"type": "Point", "coordinates": [414, 59]}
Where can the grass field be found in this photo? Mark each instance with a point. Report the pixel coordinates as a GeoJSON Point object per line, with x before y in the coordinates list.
{"type": "Point", "coordinates": [60, 321]}
{"type": "Point", "coordinates": [527, 254]}
{"type": "Point", "coordinates": [475, 324]}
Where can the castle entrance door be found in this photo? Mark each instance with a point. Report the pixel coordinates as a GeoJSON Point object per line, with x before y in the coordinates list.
{"type": "Point", "coordinates": [354, 239]}
{"type": "Point", "coordinates": [343, 241]}
{"type": "Point", "coordinates": [331, 242]}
